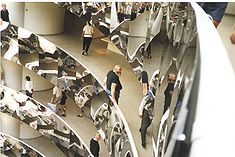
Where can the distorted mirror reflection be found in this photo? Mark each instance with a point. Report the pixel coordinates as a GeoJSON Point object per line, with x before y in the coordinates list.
{"type": "Point", "coordinates": [41, 118]}
{"type": "Point", "coordinates": [64, 71]}
{"type": "Point", "coordinates": [163, 51]}
{"type": "Point", "coordinates": [10, 146]}
{"type": "Point", "coordinates": [9, 42]}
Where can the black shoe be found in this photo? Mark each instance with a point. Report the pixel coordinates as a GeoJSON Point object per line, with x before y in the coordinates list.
{"type": "Point", "coordinates": [79, 115]}
{"type": "Point", "coordinates": [83, 52]}
{"type": "Point", "coordinates": [144, 145]}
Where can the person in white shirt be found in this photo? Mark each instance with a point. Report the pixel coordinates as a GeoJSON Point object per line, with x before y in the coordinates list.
{"type": "Point", "coordinates": [29, 86]}
{"type": "Point", "coordinates": [57, 93]}
{"type": "Point", "coordinates": [87, 34]}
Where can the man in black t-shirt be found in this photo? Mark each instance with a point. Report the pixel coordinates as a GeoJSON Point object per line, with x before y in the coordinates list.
{"type": "Point", "coordinates": [94, 145]}
{"type": "Point", "coordinates": [169, 91]}
{"type": "Point", "coordinates": [113, 83]}
{"type": "Point", "coordinates": [4, 13]}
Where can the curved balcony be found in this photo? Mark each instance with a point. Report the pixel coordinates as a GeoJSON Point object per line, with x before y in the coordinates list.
{"type": "Point", "coordinates": [195, 104]}
{"type": "Point", "coordinates": [56, 65]}
{"type": "Point", "coordinates": [43, 119]}
{"type": "Point", "coordinates": [15, 147]}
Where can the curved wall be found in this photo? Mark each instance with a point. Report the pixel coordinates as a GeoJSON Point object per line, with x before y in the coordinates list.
{"type": "Point", "coordinates": [16, 13]}
{"type": "Point", "coordinates": [13, 74]}
{"type": "Point", "coordinates": [52, 15]}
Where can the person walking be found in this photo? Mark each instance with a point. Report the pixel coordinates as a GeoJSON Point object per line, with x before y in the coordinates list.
{"type": "Point", "coordinates": [146, 113]}
{"type": "Point", "coordinates": [87, 34]}
{"type": "Point", "coordinates": [113, 84]}
{"type": "Point", "coordinates": [169, 91]}
{"type": "Point", "coordinates": [62, 103]}
{"type": "Point", "coordinates": [4, 13]}
{"type": "Point", "coordinates": [29, 86]}
{"type": "Point", "coordinates": [56, 94]}
{"type": "Point", "coordinates": [94, 145]}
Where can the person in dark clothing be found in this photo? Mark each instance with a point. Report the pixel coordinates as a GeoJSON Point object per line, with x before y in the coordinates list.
{"type": "Point", "coordinates": [215, 9]}
{"type": "Point", "coordinates": [144, 81]}
{"type": "Point", "coordinates": [133, 15]}
{"type": "Point", "coordinates": [62, 103]}
{"type": "Point", "coordinates": [121, 16]}
{"type": "Point", "coordinates": [169, 91]}
{"type": "Point", "coordinates": [4, 13]}
{"type": "Point", "coordinates": [113, 83]}
{"type": "Point", "coordinates": [94, 145]}
{"type": "Point", "coordinates": [146, 113]}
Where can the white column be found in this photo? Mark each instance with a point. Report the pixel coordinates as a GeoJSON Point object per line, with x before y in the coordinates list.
{"type": "Point", "coordinates": [16, 13]}
{"type": "Point", "coordinates": [13, 74]}
{"type": "Point", "coordinates": [44, 17]}
{"type": "Point", "coordinates": [9, 125]}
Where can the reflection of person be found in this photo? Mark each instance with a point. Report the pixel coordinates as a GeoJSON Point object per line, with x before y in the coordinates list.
{"type": "Point", "coordinates": [62, 103]}
{"type": "Point", "coordinates": [29, 86]}
{"type": "Point", "coordinates": [145, 112]}
{"type": "Point", "coordinates": [215, 9]}
{"type": "Point", "coordinates": [154, 83]}
{"type": "Point", "coordinates": [94, 145]}
{"type": "Point", "coordinates": [4, 13]}
{"type": "Point", "coordinates": [113, 83]}
{"type": "Point", "coordinates": [144, 81]}
{"type": "Point", "coordinates": [87, 34]}
{"type": "Point", "coordinates": [232, 38]}
{"type": "Point", "coordinates": [121, 16]}
{"type": "Point", "coordinates": [56, 94]}
{"type": "Point", "coordinates": [2, 79]}
{"type": "Point", "coordinates": [169, 90]}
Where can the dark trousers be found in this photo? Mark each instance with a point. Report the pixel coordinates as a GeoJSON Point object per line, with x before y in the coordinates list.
{"type": "Point", "coordinates": [29, 94]}
{"type": "Point", "coordinates": [167, 103]}
{"type": "Point", "coordinates": [145, 123]}
{"type": "Point", "coordinates": [86, 43]}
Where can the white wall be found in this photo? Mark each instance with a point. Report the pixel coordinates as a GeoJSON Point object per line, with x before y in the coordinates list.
{"type": "Point", "coordinates": [44, 18]}
{"type": "Point", "coordinates": [231, 8]}
{"type": "Point", "coordinates": [16, 13]}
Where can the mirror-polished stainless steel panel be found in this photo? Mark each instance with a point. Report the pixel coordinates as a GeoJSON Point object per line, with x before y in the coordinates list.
{"type": "Point", "coordinates": [11, 146]}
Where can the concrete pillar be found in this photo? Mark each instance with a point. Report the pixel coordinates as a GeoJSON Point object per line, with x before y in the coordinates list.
{"type": "Point", "coordinates": [16, 13]}
{"type": "Point", "coordinates": [9, 125]}
{"type": "Point", "coordinates": [13, 74]}
{"type": "Point", "coordinates": [44, 17]}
